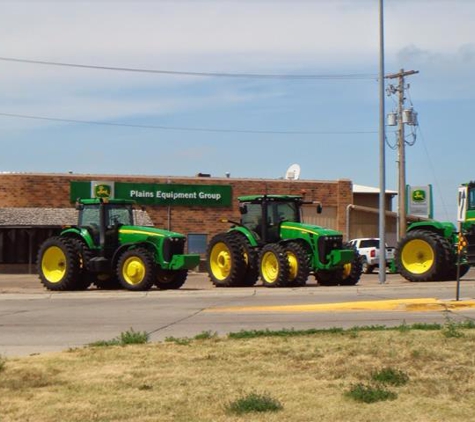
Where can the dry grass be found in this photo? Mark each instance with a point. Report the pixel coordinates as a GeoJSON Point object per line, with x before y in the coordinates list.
{"type": "Point", "coordinates": [196, 380]}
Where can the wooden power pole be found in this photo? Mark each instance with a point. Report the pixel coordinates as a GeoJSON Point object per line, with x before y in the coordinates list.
{"type": "Point", "coordinates": [402, 224]}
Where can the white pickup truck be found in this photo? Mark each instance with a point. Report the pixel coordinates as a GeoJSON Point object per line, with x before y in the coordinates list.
{"type": "Point", "coordinates": [368, 247]}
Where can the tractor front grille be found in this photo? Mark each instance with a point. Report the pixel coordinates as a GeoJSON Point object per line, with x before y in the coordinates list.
{"type": "Point", "coordinates": [326, 244]}
{"type": "Point", "coordinates": [173, 246]}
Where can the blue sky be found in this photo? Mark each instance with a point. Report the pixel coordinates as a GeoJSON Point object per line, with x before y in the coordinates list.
{"type": "Point", "coordinates": [314, 37]}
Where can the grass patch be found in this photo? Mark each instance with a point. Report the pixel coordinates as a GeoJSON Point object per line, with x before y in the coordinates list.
{"type": "Point", "coordinates": [254, 402]}
{"type": "Point", "coordinates": [182, 341]}
{"type": "Point", "coordinates": [390, 376]}
{"type": "Point", "coordinates": [126, 338]}
{"type": "Point", "coordinates": [3, 363]}
{"type": "Point", "coordinates": [369, 393]}
{"type": "Point", "coordinates": [451, 327]}
{"type": "Point", "coordinates": [329, 375]}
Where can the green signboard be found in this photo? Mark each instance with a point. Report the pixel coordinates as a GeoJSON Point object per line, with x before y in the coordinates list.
{"type": "Point", "coordinates": [156, 194]}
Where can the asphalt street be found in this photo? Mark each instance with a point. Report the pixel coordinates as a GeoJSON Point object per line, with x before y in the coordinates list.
{"type": "Point", "coordinates": [34, 320]}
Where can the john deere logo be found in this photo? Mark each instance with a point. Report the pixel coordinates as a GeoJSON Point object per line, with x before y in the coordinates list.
{"type": "Point", "coordinates": [419, 195]}
{"type": "Point", "coordinates": [102, 191]}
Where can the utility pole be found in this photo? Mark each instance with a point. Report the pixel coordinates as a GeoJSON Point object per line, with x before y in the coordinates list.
{"type": "Point", "coordinates": [402, 224]}
{"type": "Point", "coordinates": [382, 148]}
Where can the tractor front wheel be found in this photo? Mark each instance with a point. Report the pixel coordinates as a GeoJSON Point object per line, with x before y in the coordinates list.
{"type": "Point", "coordinates": [299, 265]}
{"type": "Point", "coordinates": [58, 264]}
{"type": "Point", "coordinates": [352, 271]}
{"type": "Point", "coordinates": [136, 269]}
{"type": "Point", "coordinates": [225, 261]}
{"type": "Point", "coordinates": [274, 266]}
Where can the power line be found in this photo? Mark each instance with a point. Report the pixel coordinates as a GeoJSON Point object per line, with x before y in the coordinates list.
{"type": "Point", "coordinates": [351, 76]}
{"type": "Point", "coordinates": [190, 129]}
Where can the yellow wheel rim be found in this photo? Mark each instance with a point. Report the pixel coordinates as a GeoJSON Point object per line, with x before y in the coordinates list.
{"type": "Point", "coordinates": [133, 270]}
{"type": "Point", "coordinates": [293, 265]}
{"type": "Point", "coordinates": [269, 267]}
{"type": "Point", "coordinates": [417, 256]}
{"type": "Point", "coordinates": [53, 264]}
{"type": "Point", "coordinates": [220, 261]}
{"type": "Point", "coordinates": [346, 271]}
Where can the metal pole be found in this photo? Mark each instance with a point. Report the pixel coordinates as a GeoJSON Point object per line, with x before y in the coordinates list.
{"type": "Point", "coordinates": [382, 153]}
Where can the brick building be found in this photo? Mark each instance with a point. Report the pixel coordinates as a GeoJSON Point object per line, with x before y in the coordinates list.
{"type": "Point", "coordinates": [34, 207]}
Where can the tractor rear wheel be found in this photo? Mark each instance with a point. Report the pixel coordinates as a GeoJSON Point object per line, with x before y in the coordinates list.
{"type": "Point", "coordinates": [58, 264]}
{"type": "Point", "coordinates": [251, 274]}
{"type": "Point", "coordinates": [420, 256]}
{"type": "Point", "coordinates": [85, 278]}
{"type": "Point", "coordinates": [225, 261]}
{"type": "Point", "coordinates": [299, 264]}
{"type": "Point", "coordinates": [136, 269]}
{"type": "Point", "coordinates": [274, 266]}
{"type": "Point", "coordinates": [170, 279]}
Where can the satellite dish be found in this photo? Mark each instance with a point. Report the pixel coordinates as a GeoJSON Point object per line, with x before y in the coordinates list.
{"type": "Point", "coordinates": [293, 172]}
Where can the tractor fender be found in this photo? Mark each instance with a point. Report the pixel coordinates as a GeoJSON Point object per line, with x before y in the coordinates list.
{"type": "Point", "coordinates": [250, 235]}
{"type": "Point", "coordinates": [445, 229]}
{"type": "Point", "coordinates": [126, 246]}
{"type": "Point", "coordinates": [80, 234]}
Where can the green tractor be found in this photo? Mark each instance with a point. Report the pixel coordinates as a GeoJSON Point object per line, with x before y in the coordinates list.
{"type": "Point", "coordinates": [270, 241]}
{"type": "Point", "coordinates": [107, 249]}
{"type": "Point", "coordinates": [429, 251]}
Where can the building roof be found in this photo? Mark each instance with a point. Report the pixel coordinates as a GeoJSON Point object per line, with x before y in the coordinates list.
{"type": "Point", "coordinates": [369, 189]}
{"type": "Point", "coordinates": [53, 217]}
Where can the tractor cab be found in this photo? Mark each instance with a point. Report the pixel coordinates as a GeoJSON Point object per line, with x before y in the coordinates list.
{"type": "Point", "coordinates": [103, 218]}
{"type": "Point", "coordinates": [263, 214]}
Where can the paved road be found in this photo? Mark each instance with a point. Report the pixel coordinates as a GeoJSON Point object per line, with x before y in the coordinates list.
{"type": "Point", "coordinates": [33, 320]}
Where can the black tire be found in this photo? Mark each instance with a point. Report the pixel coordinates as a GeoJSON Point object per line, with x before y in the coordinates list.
{"type": "Point", "coordinates": [365, 267]}
{"type": "Point", "coordinates": [58, 264]}
{"type": "Point", "coordinates": [421, 256]}
{"type": "Point", "coordinates": [136, 269]}
{"type": "Point", "coordinates": [251, 274]}
{"type": "Point", "coordinates": [85, 278]}
{"type": "Point", "coordinates": [170, 279]}
{"type": "Point", "coordinates": [351, 273]}
{"type": "Point", "coordinates": [299, 264]}
{"type": "Point", "coordinates": [274, 266]}
{"type": "Point", "coordinates": [449, 268]}
{"type": "Point", "coordinates": [464, 268]}
{"type": "Point", "coordinates": [225, 261]}
{"type": "Point", "coordinates": [329, 277]}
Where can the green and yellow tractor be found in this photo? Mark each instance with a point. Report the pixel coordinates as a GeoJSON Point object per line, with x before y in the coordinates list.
{"type": "Point", "coordinates": [435, 251]}
{"type": "Point", "coordinates": [271, 241]}
{"type": "Point", "coordinates": [107, 249]}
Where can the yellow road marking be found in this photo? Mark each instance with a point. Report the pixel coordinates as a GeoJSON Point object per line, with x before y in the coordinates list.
{"type": "Point", "coordinates": [407, 305]}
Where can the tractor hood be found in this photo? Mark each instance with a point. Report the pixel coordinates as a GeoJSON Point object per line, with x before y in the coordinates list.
{"type": "Point", "coordinates": [142, 233]}
{"type": "Point", "coordinates": [293, 230]}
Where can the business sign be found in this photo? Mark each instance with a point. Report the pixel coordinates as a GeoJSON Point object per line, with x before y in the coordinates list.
{"type": "Point", "coordinates": [419, 201]}
{"type": "Point", "coordinates": [462, 204]}
{"type": "Point", "coordinates": [155, 194]}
